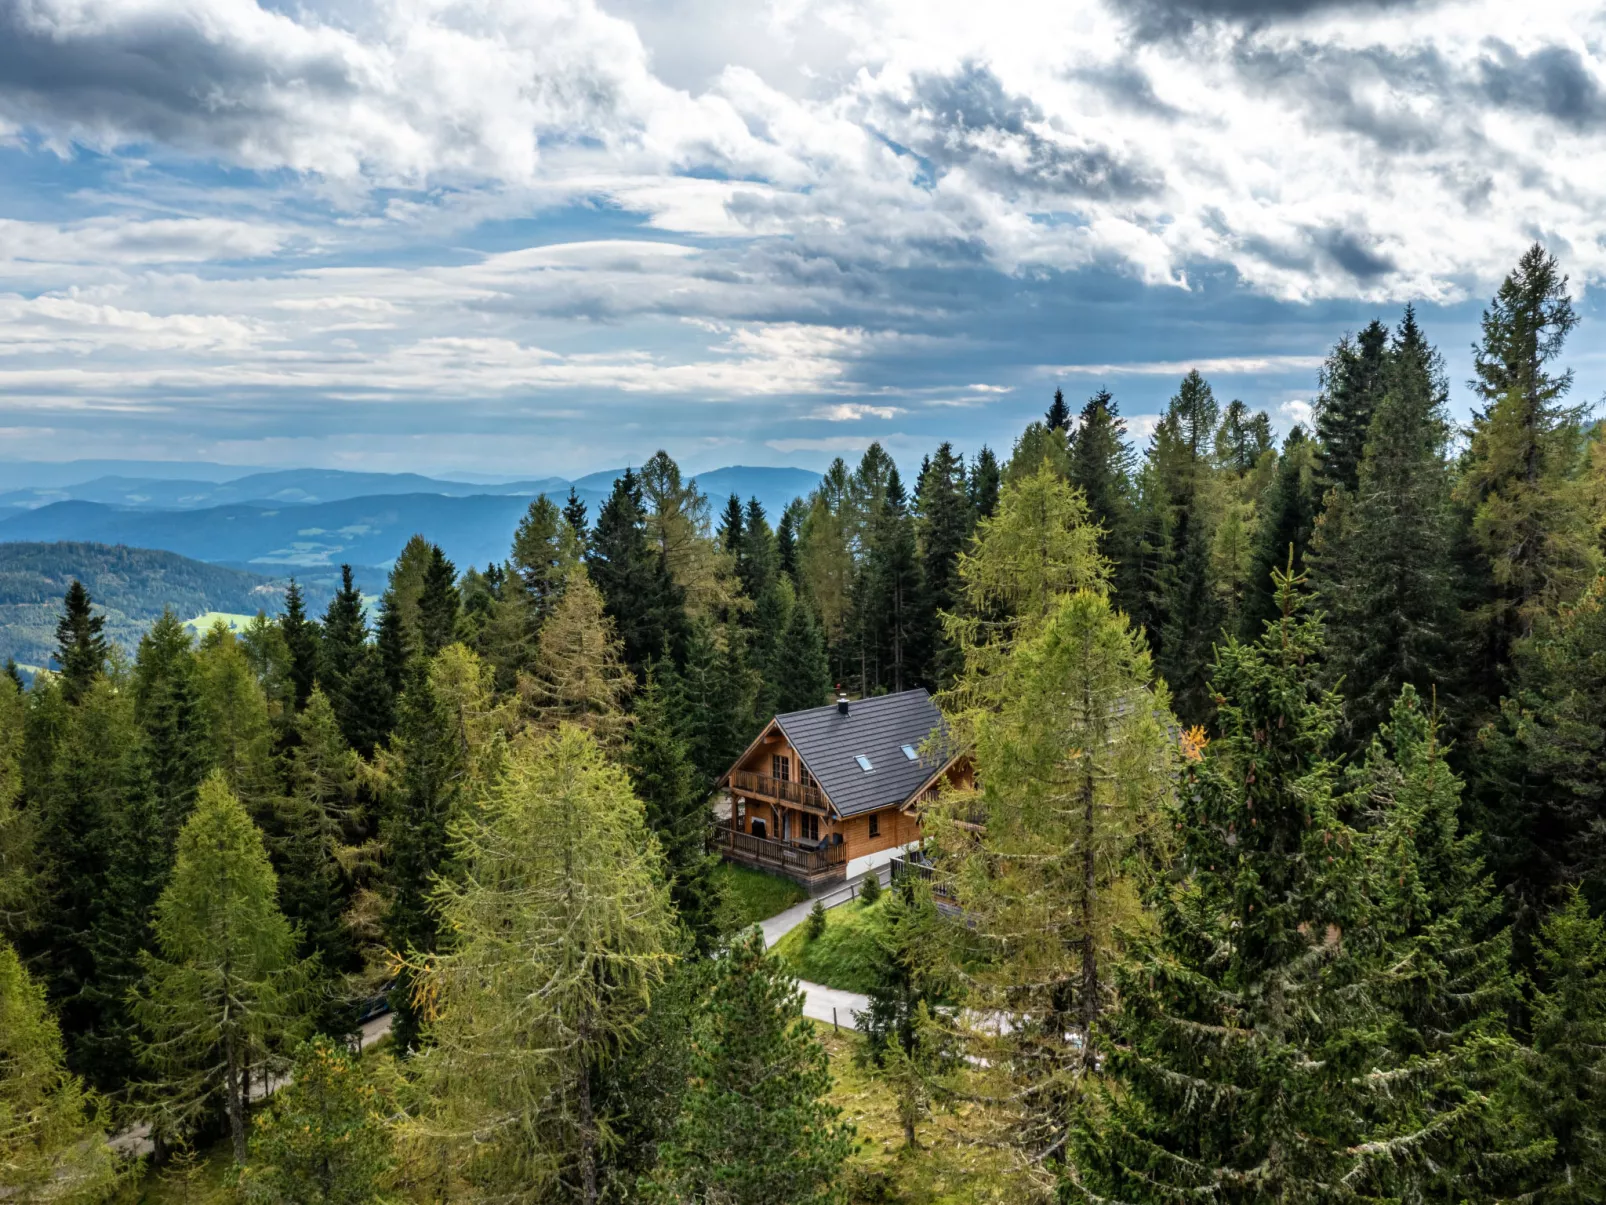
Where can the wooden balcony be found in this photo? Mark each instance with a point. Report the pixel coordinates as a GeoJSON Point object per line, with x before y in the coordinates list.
{"type": "Point", "coordinates": [778, 790]}
{"type": "Point", "coordinates": [807, 864]}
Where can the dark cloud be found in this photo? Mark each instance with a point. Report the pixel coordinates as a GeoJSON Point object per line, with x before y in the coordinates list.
{"type": "Point", "coordinates": [157, 77]}
{"type": "Point", "coordinates": [1554, 81]}
{"type": "Point", "coordinates": [1171, 18]}
{"type": "Point", "coordinates": [1350, 252]}
{"type": "Point", "coordinates": [967, 119]}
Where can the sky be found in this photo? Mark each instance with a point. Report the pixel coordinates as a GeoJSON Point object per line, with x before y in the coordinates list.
{"type": "Point", "coordinates": [546, 237]}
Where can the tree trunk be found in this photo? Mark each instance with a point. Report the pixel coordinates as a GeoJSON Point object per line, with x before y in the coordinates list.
{"type": "Point", "coordinates": [588, 1137]}
{"type": "Point", "coordinates": [1090, 968]}
{"type": "Point", "coordinates": [234, 1088]}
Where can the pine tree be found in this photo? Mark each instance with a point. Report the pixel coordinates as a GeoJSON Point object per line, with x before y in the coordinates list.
{"type": "Point", "coordinates": [1351, 387]}
{"type": "Point", "coordinates": [755, 1126]}
{"type": "Point", "coordinates": [326, 1136]}
{"type": "Point", "coordinates": [677, 812]}
{"type": "Point", "coordinates": [985, 480]}
{"type": "Point", "coordinates": [1559, 1082]}
{"type": "Point", "coordinates": [81, 643]}
{"type": "Point", "coordinates": [220, 999]}
{"type": "Point", "coordinates": [803, 677]}
{"type": "Point", "coordinates": [52, 1146]}
{"type": "Point", "coordinates": [439, 605]}
{"type": "Point", "coordinates": [1520, 478]}
{"type": "Point", "coordinates": [1058, 417]}
{"type": "Point", "coordinates": [1075, 764]}
{"type": "Point", "coordinates": [1383, 568]}
{"type": "Point", "coordinates": [560, 933]}
{"type": "Point", "coordinates": [301, 638]}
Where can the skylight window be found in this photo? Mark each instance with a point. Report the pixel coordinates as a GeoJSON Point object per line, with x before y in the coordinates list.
{"type": "Point", "coordinates": [909, 752]}
{"type": "Point", "coordinates": [864, 762]}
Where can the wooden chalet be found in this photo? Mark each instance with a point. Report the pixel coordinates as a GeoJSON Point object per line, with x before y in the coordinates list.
{"type": "Point", "coordinates": [819, 788]}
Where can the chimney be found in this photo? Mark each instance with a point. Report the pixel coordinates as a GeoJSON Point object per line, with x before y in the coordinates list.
{"type": "Point", "coordinates": [841, 700]}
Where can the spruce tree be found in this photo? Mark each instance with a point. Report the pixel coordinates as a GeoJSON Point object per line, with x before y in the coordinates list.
{"type": "Point", "coordinates": [326, 1136]}
{"type": "Point", "coordinates": [52, 1145]}
{"type": "Point", "coordinates": [755, 1126]}
{"type": "Point", "coordinates": [220, 999]}
{"type": "Point", "coordinates": [677, 811]}
{"type": "Point", "coordinates": [757, 562]}
{"type": "Point", "coordinates": [315, 826]}
{"type": "Point", "coordinates": [985, 480]}
{"type": "Point", "coordinates": [891, 591]}
{"type": "Point", "coordinates": [19, 868]}
{"type": "Point", "coordinates": [1383, 566]}
{"type": "Point", "coordinates": [1058, 417]}
{"type": "Point", "coordinates": [640, 596]}
{"type": "Point", "coordinates": [1519, 479]}
{"type": "Point", "coordinates": [439, 605]}
{"type": "Point", "coordinates": [169, 709]}
{"type": "Point", "coordinates": [1231, 1054]}
{"type": "Point", "coordinates": [714, 698]}
{"type": "Point", "coordinates": [343, 655]}
{"type": "Point", "coordinates": [1100, 466]}
{"type": "Point", "coordinates": [1560, 1083]}
{"type": "Point", "coordinates": [423, 772]}
{"type": "Point", "coordinates": [81, 643]}
{"type": "Point", "coordinates": [1351, 387]}
{"type": "Point", "coordinates": [561, 930]}
{"type": "Point", "coordinates": [574, 514]}
{"type": "Point", "coordinates": [803, 677]}
{"type": "Point", "coordinates": [1288, 513]}
{"type": "Point", "coordinates": [301, 638]}
{"type": "Point", "coordinates": [786, 541]}
{"type": "Point", "coordinates": [945, 523]}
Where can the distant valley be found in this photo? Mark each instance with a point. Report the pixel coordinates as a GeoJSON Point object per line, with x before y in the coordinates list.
{"type": "Point", "coordinates": [142, 541]}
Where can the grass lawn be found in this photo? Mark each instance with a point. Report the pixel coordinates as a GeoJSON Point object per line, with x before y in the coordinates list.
{"type": "Point", "coordinates": [846, 955]}
{"type": "Point", "coordinates": [949, 1168]}
{"type": "Point", "coordinates": [202, 624]}
{"type": "Point", "coordinates": [756, 896]}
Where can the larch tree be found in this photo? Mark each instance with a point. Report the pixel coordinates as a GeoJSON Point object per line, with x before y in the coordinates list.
{"type": "Point", "coordinates": [1075, 765]}
{"type": "Point", "coordinates": [580, 676]}
{"type": "Point", "coordinates": [52, 1145]}
{"type": "Point", "coordinates": [561, 930]}
{"type": "Point", "coordinates": [678, 528]}
{"type": "Point", "coordinates": [239, 735]}
{"type": "Point", "coordinates": [222, 994]}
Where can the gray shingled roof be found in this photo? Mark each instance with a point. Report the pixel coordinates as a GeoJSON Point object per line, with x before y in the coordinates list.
{"type": "Point", "coordinates": [878, 728]}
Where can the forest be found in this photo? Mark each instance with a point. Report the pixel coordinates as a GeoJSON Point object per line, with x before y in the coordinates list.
{"type": "Point", "coordinates": [1282, 878]}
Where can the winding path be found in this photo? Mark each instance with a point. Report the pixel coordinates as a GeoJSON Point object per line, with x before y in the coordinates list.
{"type": "Point", "coordinates": [821, 1003]}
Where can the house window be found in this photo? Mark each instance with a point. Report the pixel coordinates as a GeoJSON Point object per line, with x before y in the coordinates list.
{"type": "Point", "coordinates": [909, 752]}
{"type": "Point", "coordinates": [808, 827]}
{"type": "Point", "coordinates": [803, 775]}
{"type": "Point", "coordinates": [780, 767]}
{"type": "Point", "coordinates": [875, 824]}
{"type": "Point", "coordinates": [864, 762]}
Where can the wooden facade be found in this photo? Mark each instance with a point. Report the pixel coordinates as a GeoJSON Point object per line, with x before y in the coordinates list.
{"type": "Point", "coordinates": [782, 819]}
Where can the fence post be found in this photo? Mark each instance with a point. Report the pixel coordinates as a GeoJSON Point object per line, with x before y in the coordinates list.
{"type": "Point", "coordinates": [834, 1026]}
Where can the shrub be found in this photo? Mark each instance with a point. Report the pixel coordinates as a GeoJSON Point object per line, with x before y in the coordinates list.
{"type": "Point", "coordinates": [816, 921]}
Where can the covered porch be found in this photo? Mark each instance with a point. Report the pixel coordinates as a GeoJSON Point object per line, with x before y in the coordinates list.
{"type": "Point", "coordinates": [817, 864]}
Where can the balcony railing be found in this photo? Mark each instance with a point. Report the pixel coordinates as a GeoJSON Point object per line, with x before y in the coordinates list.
{"type": "Point", "coordinates": [918, 867]}
{"type": "Point", "coordinates": [778, 789]}
{"type": "Point", "coordinates": [804, 862]}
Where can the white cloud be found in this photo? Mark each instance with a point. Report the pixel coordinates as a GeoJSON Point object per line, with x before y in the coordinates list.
{"type": "Point", "coordinates": [832, 443]}
{"type": "Point", "coordinates": [1220, 365]}
{"type": "Point", "coordinates": [852, 412]}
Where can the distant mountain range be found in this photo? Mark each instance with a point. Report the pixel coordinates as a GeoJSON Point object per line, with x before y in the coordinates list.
{"type": "Point", "coordinates": [311, 520]}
